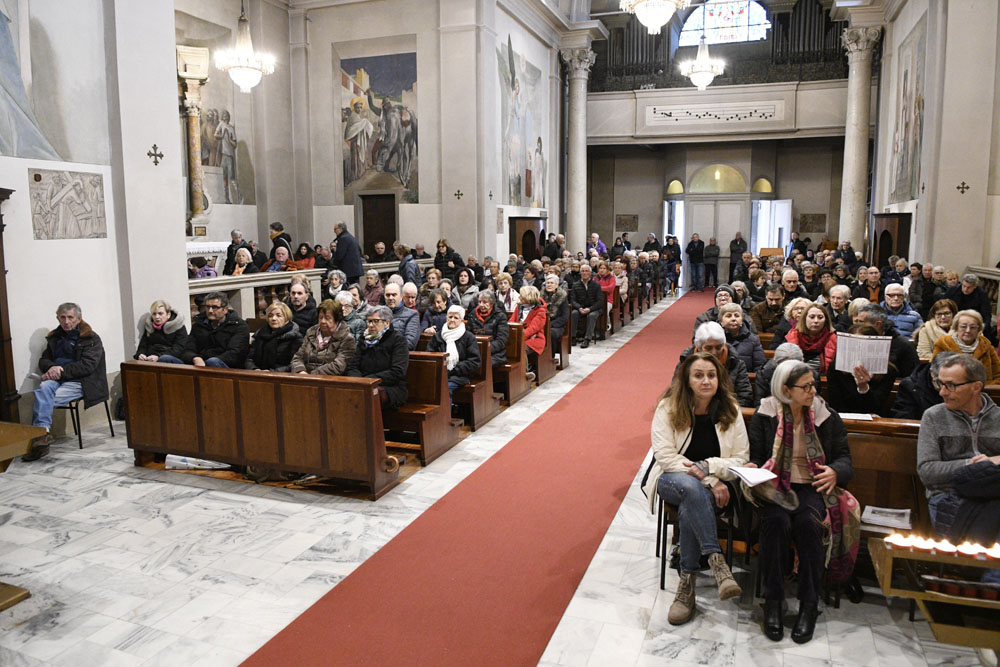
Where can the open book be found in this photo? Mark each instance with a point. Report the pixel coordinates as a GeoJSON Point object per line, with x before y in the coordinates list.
{"type": "Point", "coordinates": [752, 476]}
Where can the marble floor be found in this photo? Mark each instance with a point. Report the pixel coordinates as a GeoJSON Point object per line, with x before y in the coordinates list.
{"type": "Point", "coordinates": [132, 566]}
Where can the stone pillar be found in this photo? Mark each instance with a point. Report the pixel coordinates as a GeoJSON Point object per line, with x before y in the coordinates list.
{"type": "Point", "coordinates": [578, 63]}
{"type": "Point", "coordinates": [192, 70]}
{"type": "Point", "coordinates": [859, 43]}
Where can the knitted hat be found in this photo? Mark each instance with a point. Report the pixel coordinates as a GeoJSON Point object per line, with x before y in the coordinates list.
{"type": "Point", "coordinates": [727, 289]}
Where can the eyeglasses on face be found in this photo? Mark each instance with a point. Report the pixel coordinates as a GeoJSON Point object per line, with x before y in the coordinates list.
{"type": "Point", "coordinates": [808, 386]}
{"type": "Point", "coordinates": [968, 327]}
{"type": "Point", "coordinates": [375, 320]}
{"type": "Point", "coordinates": [950, 386]}
{"type": "Point", "coordinates": [943, 313]}
{"type": "Point", "coordinates": [213, 307]}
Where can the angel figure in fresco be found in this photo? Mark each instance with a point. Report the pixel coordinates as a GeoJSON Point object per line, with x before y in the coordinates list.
{"type": "Point", "coordinates": [513, 139]}
{"type": "Point", "coordinates": [357, 132]}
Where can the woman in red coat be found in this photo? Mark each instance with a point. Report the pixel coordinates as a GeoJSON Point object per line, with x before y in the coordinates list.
{"type": "Point", "coordinates": [531, 313]}
{"type": "Point", "coordinates": [815, 335]}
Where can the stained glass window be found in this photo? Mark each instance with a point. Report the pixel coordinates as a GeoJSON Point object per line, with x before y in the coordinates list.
{"type": "Point", "coordinates": [727, 21]}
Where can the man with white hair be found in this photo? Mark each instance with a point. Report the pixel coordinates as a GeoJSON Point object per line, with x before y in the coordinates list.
{"type": "Point", "coordinates": [838, 298]}
{"type": "Point", "coordinates": [900, 312]}
{"type": "Point", "coordinates": [710, 338]}
{"type": "Point", "coordinates": [404, 320]}
{"type": "Point", "coordinates": [792, 288]}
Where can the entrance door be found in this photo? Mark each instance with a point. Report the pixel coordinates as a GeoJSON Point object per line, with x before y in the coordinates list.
{"type": "Point", "coordinates": [527, 238]}
{"type": "Point", "coordinates": [378, 222]}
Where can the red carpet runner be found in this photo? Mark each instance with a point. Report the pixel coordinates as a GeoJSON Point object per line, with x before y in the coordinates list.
{"type": "Point", "coordinates": [486, 573]}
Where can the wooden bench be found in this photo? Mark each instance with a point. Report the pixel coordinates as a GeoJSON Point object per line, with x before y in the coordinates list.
{"type": "Point", "coordinates": [765, 339]}
{"type": "Point", "coordinates": [562, 345]}
{"type": "Point", "coordinates": [545, 365]}
{"type": "Point", "coordinates": [427, 411]}
{"type": "Point", "coordinates": [478, 395]}
{"type": "Point", "coordinates": [511, 375]}
{"type": "Point", "coordinates": [319, 424]}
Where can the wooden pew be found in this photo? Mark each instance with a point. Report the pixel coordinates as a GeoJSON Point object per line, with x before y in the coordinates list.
{"type": "Point", "coordinates": [545, 366]}
{"type": "Point", "coordinates": [427, 411]}
{"type": "Point", "coordinates": [328, 426]}
{"type": "Point", "coordinates": [765, 339]}
{"type": "Point", "coordinates": [612, 316]}
{"type": "Point", "coordinates": [562, 346]}
{"type": "Point", "coordinates": [478, 395]}
{"type": "Point", "coordinates": [511, 376]}
{"type": "Point", "coordinates": [630, 307]}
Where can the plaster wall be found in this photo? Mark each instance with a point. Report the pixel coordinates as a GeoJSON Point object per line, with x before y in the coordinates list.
{"type": "Point", "coordinates": [639, 187]}
{"type": "Point", "coordinates": [804, 176]}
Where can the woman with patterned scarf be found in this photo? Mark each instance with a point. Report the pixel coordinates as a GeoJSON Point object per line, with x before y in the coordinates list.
{"type": "Point", "coordinates": [803, 441]}
{"type": "Point", "coordinates": [382, 353]}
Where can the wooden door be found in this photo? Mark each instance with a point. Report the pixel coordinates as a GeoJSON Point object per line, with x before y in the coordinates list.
{"type": "Point", "coordinates": [378, 222]}
{"type": "Point", "coordinates": [890, 234]}
{"type": "Point", "coordinates": [527, 237]}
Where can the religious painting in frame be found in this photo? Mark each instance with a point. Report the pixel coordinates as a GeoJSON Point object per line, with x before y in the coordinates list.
{"type": "Point", "coordinates": [66, 205]}
{"type": "Point", "coordinates": [626, 223]}
{"type": "Point", "coordinates": [812, 223]}
{"type": "Point", "coordinates": [909, 115]}
{"type": "Point", "coordinates": [523, 161]}
{"type": "Point", "coordinates": [379, 124]}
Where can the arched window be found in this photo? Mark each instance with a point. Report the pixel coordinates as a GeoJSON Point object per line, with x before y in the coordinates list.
{"type": "Point", "coordinates": [717, 178]}
{"type": "Point", "coordinates": [762, 185]}
{"type": "Point", "coordinates": [675, 188]}
{"type": "Point", "coordinates": [728, 21]}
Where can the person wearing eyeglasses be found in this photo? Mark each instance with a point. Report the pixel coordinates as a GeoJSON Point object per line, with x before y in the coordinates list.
{"type": "Point", "coordinates": [219, 337]}
{"type": "Point", "coordinates": [329, 344]}
{"type": "Point", "coordinates": [802, 440]}
{"type": "Point", "coordinates": [966, 336]}
{"type": "Point", "coordinates": [900, 312]}
{"type": "Point", "coordinates": [382, 353]}
{"type": "Point", "coordinates": [938, 324]}
{"type": "Point", "coordinates": [921, 390]}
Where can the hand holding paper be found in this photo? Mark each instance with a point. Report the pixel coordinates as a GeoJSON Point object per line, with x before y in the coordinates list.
{"type": "Point", "coordinates": [752, 476]}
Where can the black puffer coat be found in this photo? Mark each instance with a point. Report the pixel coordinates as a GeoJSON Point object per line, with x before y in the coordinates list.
{"type": "Point", "coordinates": [468, 355]}
{"type": "Point", "coordinates": [307, 316]}
{"type": "Point", "coordinates": [171, 339]}
{"type": "Point", "coordinates": [971, 511]}
{"type": "Point", "coordinates": [441, 260]}
{"type": "Point", "coordinates": [915, 394]}
{"type": "Point", "coordinates": [273, 349]}
{"type": "Point", "coordinates": [386, 360]}
{"type": "Point", "coordinates": [230, 341]}
{"type": "Point", "coordinates": [558, 305]}
{"type": "Point", "coordinates": [497, 329]}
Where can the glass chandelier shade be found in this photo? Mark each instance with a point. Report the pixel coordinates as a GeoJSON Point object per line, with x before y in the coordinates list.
{"type": "Point", "coordinates": [653, 14]}
{"type": "Point", "coordinates": [245, 67]}
{"type": "Point", "coordinates": [703, 69]}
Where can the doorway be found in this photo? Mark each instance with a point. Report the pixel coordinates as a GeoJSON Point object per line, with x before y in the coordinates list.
{"type": "Point", "coordinates": [527, 237]}
{"type": "Point", "coordinates": [378, 222]}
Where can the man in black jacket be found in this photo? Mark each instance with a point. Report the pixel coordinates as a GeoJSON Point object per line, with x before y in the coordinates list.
{"type": "Point", "coordinates": [279, 237]}
{"type": "Point", "coordinates": [696, 257]}
{"type": "Point", "coordinates": [737, 247]}
{"type": "Point", "coordinates": [348, 255]}
{"type": "Point", "coordinates": [72, 366]}
{"type": "Point", "coordinates": [586, 300]}
{"type": "Point", "coordinates": [218, 337]}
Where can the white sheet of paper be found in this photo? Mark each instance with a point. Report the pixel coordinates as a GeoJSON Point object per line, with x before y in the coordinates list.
{"type": "Point", "coordinates": [752, 476]}
{"type": "Point", "coordinates": [870, 351]}
{"type": "Point", "coordinates": [858, 416]}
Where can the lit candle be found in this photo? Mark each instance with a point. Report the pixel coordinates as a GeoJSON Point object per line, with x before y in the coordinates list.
{"type": "Point", "coordinates": [945, 547]}
{"type": "Point", "coordinates": [922, 544]}
{"type": "Point", "coordinates": [969, 549]}
{"type": "Point", "coordinates": [994, 551]}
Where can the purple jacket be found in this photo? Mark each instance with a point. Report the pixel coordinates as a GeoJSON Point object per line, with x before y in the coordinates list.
{"type": "Point", "coordinates": [600, 247]}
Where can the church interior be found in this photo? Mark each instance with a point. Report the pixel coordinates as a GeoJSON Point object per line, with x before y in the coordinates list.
{"type": "Point", "coordinates": [142, 134]}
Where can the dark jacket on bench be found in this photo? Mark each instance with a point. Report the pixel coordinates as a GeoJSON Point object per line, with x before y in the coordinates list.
{"type": "Point", "coordinates": [587, 295]}
{"type": "Point", "coordinates": [88, 366]}
{"type": "Point", "coordinates": [331, 360]}
{"type": "Point", "coordinates": [558, 305]}
{"type": "Point", "coordinates": [307, 316]}
{"type": "Point", "coordinates": [273, 349]}
{"type": "Point", "coordinates": [915, 394]}
{"type": "Point", "coordinates": [496, 328]}
{"type": "Point", "coordinates": [170, 339]}
{"type": "Point", "coordinates": [386, 360]}
{"type": "Point", "coordinates": [972, 510]}
{"type": "Point", "coordinates": [230, 341]}
{"type": "Point", "coordinates": [468, 355]}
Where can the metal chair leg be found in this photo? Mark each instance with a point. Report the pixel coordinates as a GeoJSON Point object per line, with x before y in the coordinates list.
{"type": "Point", "coordinates": [111, 426]}
{"type": "Point", "coordinates": [74, 413]}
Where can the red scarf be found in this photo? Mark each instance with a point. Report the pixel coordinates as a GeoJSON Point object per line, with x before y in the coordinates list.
{"type": "Point", "coordinates": [813, 344]}
{"type": "Point", "coordinates": [481, 317]}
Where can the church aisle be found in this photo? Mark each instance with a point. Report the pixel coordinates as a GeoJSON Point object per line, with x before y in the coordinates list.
{"type": "Point", "coordinates": [134, 566]}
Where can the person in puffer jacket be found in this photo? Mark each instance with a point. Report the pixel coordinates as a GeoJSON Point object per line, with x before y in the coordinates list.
{"type": "Point", "coordinates": [901, 313]}
{"type": "Point", "coordinates": [161, 331]}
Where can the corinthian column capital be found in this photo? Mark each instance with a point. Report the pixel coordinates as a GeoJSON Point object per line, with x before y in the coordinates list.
{"type": "Point", "coordinates": [859, 42]}
{"type": "Point", "coordinates": [578, 62]}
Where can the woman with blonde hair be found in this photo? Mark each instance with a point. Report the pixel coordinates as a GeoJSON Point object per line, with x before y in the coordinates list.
{"type": "Point", "coordinates": [966, 336]}
{"type": "Point", "coordinates": [274, 345]}
{"type": "Point", "coordinates": [793, 310]}
{"type": "Point", "coordinates": [506, 296]}
{"type": "Point", "coordinates": [244, 263]}
{"type": "Point", "coordinates": [697, 434]}
{"type": "Point", "coordinates": [938, 324]}
{"type": "Point", "coordinates": [161, 333]}
{"type": "Point", "coordinates": [531, 311]}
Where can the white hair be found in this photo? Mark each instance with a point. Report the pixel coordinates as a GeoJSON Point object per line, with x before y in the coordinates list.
{"type": "Point", "coordinates": [457, 309]}
{"type": "Point", "coordinates": [841, 288]}
{"type": "Point", "coordinates": [709, 331]}
{"type": "Point", "coordinates": [789, 272]}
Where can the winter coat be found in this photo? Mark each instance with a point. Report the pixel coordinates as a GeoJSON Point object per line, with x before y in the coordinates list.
{"type": "Point", "coordinates": [985, 353]}
{"type": "Point", "coordinates": [915, 394]}
{"type": "Point", "coordinates": [558, 305]}
{"type": "Point", "coordinates": [797, 293]}
{"type": "Point", "coordinates": [231, 256]}
{"type": "Point", "coordinates": [737, 374]}
{"type": "Point", "coordinates": [171, 339]}
{"type": "Point", "coordinates": [972, 511]}
{"type": "Point", "coordinates": [587, 295]}
{"type": "Point", "coordinates": [712, 252]}
{"type": "Point", "coordinates": [765, 319]}
{"type": "Point", "coordinates": [907, 320]}
{"type": "Point", "coordinates": [977, 301]}
{"type": "Point", "coordinates": [826, 358]}
{"type": "Point", "coordinates": [87, 367]}
{"type": "Point", "coordinates": [712, 315]}
{"type": "Point", "coordinates": [468, 355]}
{"type": "Point", "coordinates": [929, 334]}
{"type": "Point", "coordinates": [229, 341]}
{"type": "Point", "coordinates": [736, 250]}
{"type": "Point", "coordinates": [407, 323]}
{"type": "Point", "coordinates": [273, 349]}
{"type": "Point", "coordinates": [433, 319]}
{"type": "Point", "coordinates": [534, 328]}
{"type": "Point", "coordinates": [862, 291]}
{"type": "Point", "coordinates": [332, 360]}
{"type": "Point", "coordinates": [696, 251]}
{"type": "Point", "coordinates": [348, 255]}
{"type": "Point", "coordinates": [409, 270]}
{"type": "Point", "coordinates": [441, 260]}
{"type": "Point", "coordinates": [495, 326]}
{"type": "Point", "coordinates": [469, 298]}
{"type": "Point", "coordinates": [356, 324]}
{"type": "Point", "coordinates": [845, 397]}
{"type": "Point", "coordinates": [251, 267]}
{"type": "Point", "coordinates": [373, 294]}
{"type": "Point", "coordinates": [923, 294]}
{"type": "Point", "coordinates": [670, 445]}
{"type": "Point", "coordinates": [948, 439]}
{"type": "Point", "coordinates": [829, 428]}
{"type": "Point", "coordinates": [780, 333]}
{"type": "Point", "coordinates": [206, 271]}
{"type": "Point", "coordinates": [386, 360]}
{"type": "Point", "coordinates": [283, 239]}
{"type": "Point", "coordinates": [748, 348]}
{"type": "Point", "coordinates": [306, 316]}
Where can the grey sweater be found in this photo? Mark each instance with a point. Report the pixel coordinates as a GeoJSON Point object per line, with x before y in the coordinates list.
{"type": "Point", "coordinates": [712, 254]}
{"type": "Point", "coordinates": [947, 439]}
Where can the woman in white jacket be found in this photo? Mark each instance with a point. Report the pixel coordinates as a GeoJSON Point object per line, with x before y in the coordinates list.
{"type": "Point", "coordinates": [697, 434]}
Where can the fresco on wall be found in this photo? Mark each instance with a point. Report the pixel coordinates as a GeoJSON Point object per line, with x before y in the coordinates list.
{"type": "Point", "coordinates": [523, 162]}
{"type": "Point", "coordinates": [379, 123]}
{"type": "Point", "coordinates": [66, 205]}
{"type": "Point", "coordinates": [909, 123]}
{"type": "Point", "coordinates": [226, 118]}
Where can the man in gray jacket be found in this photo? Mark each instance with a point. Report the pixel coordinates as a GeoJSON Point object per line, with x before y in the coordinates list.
{"type": "Point", "coordinates": [964, 429]}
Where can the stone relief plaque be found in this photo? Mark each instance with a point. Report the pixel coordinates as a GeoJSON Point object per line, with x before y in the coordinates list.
{"type": "Point", "coordinates": [66, 205]}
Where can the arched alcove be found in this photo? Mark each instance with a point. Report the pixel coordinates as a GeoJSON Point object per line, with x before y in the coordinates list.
{"type": "Point", "coordinates": [675, 187]}
{"type": "Point", "coordinates": [762, 185]}
{"type": "Point", "coordinates": [717, 178]}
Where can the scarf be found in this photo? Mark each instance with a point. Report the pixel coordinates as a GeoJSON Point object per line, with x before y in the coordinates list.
{"type": "Point", "coordinates": [450, 336]}
{"type": "Point", "coordinates": [506, 299]}
{"type": "Point", "coordinates": [842, 523]}
{"type": "Point", "coordinates": [967, 349]}
{"type": "Point", "coordinates": [813, 344]}
{"type": "Point", "coordinates": [482, 317]}
{"type": "Point", "coordinates": [525, 311]}
{"type": "Point", "coordinates": [238, 271]}
{"type": "Point", "coordinates": [322, 342]}
{"type": "Point", "coordinates": [373, 339]}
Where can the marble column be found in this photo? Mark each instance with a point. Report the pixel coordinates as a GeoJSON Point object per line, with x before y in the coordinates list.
{"type": "Point", "coordinates": [859, 43]}
{"type": "Point", "coordinates": [192, 109]}
{"type": "Point", "coordinates": [578, 63]}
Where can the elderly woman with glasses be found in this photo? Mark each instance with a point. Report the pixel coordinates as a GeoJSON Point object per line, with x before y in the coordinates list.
{"type": "Point", "coordinates": [966, 336]}
{"type": "Point", "coordinates": [382, 353]}
{"type": "Point", "coordinates": [328, 345]}
{"type": "Point", "coordinates": [938, 324]}
{"type": "Point", "coordinates": [795, 435]}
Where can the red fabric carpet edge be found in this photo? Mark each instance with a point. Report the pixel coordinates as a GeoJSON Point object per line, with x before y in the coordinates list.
{"type": "Point", "coordinates": [486, 573]}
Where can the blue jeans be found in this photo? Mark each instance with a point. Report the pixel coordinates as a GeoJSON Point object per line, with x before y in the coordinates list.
{"type": "Point", "coordinates": [211, 361]}
{"type": "Point", "coordinates": [452, 386]}
{"type": "Point", "coordinates": [50, 394]}
{"type": "Point", "coordinates": [990, 576]}
{"type": "Point", "coordinates": [695, 517]}
{"type": "Point", "coordinates": [698, 275]}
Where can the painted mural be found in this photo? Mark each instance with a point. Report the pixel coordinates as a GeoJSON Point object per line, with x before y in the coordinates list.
{"type": "Point", "coordinates": [523, 161]}
{"type": "Point", "coordinates": [909, 123]}
{"type": "Point", "coordinates": [379, 123]}
{"type": "Point", "coordinates": [66, 205]}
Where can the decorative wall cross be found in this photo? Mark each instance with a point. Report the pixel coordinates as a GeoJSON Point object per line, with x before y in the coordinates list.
{"type": "Point", "coordinates": [458, 195]}
{"type": "Point", "coordinates": [491, 195]}
{"type": "Point", "coordinates": [155, 154]}
{"type": "Point", "coordinates": [963, 187]}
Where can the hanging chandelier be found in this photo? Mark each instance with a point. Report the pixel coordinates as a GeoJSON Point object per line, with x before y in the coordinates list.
{"type": "Point", "coordinates": [653, 14]}
{"type": "Point", "coordinates": [244, 66]}
{"type": "Point", "coordinates": [702, 70]}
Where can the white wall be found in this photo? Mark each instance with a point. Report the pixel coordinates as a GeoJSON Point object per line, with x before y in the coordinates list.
{"type": "Point", "coordinates": [805, 176]}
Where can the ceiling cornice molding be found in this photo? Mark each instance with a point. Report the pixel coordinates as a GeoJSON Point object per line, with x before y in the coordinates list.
{"type": "Point", "coordinates": [863, 13]}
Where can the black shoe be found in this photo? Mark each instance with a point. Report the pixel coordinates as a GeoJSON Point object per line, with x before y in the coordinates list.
{"type": "Point", "coordinates": [773, 628]}
{"type": "Point", "coordinates": [585, 344]}
{"type": "Point", "coordinates": [805, 624]}
{"type": "Point", "coordinates": [39, 448]}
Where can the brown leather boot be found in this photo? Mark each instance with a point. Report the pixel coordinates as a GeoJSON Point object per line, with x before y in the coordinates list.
{"type": "Point", "coordinates": [682, 608]}
{"type": "Point", "coordinates": [728, 588]}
